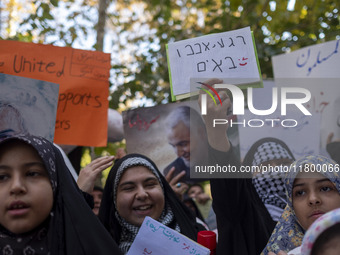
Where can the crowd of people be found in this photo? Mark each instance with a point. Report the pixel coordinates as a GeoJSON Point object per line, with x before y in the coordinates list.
{"type": "Point", "coordinates": [44, 210]}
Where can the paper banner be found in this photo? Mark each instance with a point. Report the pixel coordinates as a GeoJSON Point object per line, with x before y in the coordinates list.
{"type": "Point", "coordinates": [155, 238]}
{"type": "Point", "coordinates": [315, 68]}
{"type": "Point", "coordinates": [317, 61]}
{"type": "Point", "coordinates": [84, 88]}
{"type": "Point", "coordinates": [27, 105]}
{"type": "Point", "coordinates": [229, 55]}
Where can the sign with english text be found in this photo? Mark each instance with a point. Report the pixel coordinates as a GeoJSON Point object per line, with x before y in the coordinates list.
{"type": "Point", "coordinates": [84, 87]}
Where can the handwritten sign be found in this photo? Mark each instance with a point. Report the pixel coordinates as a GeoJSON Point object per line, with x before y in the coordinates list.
{"type": "Point", "coordinates": [316, 69]}
{"type": "Point", "coordinates": [317, 61]}
{"type": "Point", "coordinates": [157, 239]}
{"type": "Point", "coordinates": [84, 88]}
{"type": "Point", "coordinates": [27, 105]}
{"type": "Point", "coordinates": [224, 55]}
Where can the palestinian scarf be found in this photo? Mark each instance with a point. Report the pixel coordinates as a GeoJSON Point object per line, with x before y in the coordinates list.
{"type": "Point", "coordinates": [288, 233]}
{"type": "Point", "coordinates": [71, 228]}
{"type": "Point", "coordinates": [175, 214]}
{"type": "Point", "coordinates": [269, 185]}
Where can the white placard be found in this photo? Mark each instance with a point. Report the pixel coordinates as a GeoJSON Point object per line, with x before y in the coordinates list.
{"type": "Point", "coordinates": [224, 55]}
{"type": "Point", "coordinates": [315, 68]}
{"type": "Point", "coordinates": [155, 238]}
{"type": "Point", "coordinates": [317, 61]}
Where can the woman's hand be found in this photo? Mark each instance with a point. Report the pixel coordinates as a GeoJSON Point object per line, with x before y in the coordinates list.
{"type": "Point", "coordinates": [90, 173]}
{"type": "Point", "coordinates": [217, 136]}
{"type": "Point", "coordinates": [178, 187]}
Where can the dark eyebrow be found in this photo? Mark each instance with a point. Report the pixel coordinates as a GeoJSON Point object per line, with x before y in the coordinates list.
{"type": "Point", "coordinates": [126, 183]}
{"type": "Point", "coordinates": [150, 179]}
{"type": "Point", "coordinates": [6, 167]}
{"type": "Point", "coordinates": [35, 164]}
{"type": "Point", "coordinates": [318, 181]}
{"type": "Point", "coordinates": [132, 183]}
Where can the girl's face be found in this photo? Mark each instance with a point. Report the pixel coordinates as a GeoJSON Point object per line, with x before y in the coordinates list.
{"type": "Point", "coordinates": [26, 196]}
{"type": "Point", "coordinates": [139, 194]}
{"type": "Point", "coordinates": [313, 195]}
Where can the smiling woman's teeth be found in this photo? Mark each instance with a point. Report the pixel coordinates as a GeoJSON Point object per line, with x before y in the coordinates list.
{"type": "Point", "coordinates": [143, 207]}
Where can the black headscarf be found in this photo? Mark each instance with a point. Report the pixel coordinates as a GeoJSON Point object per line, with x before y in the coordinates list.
{"type": "Point", "coordinates": [183, 218]}
{"type": "Point", "coordinates": [71, 228]}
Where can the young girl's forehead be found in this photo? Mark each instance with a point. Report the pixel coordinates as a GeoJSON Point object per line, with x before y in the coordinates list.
{"type": "Point", "coordinates": [9, 144]}
{"type": "Point", "coordinates": [306, 174]}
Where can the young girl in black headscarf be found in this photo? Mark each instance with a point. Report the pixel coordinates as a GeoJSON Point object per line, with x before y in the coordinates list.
{"type": "Point", "coordinates": [134, 189]}
{"type": "Point", "coordinates": [42, 211]}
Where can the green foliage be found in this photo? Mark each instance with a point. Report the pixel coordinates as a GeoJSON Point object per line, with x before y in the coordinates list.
{"type": "Point", "coordinates": [141, 29]}
{"type": "Point", "coordinates": [276, 30]}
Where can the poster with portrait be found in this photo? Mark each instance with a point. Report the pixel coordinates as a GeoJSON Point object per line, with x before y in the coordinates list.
{"type": "Point", "coordinates": [146, 131]}
{"type": "Point", "coordinates": [27, 105]}
{"type": "Point", "coordinates": [82, 76]}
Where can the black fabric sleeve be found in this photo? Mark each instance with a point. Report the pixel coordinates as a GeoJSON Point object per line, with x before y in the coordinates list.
{"type": "Point", "coordinates": [89, 199]}
{"type": "Point", "coordinates": [244, 224]}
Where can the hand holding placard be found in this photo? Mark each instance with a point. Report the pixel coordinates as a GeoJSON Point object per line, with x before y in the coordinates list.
{"type": "Point", "coordinates": [228, 55]}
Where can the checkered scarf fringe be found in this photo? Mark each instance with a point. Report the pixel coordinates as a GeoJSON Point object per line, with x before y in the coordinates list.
{"type": "Point", "coordinates": [130, 231]}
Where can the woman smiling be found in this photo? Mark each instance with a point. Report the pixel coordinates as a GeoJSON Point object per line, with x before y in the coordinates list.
{"type": "Point", "coordinates": [135, 189]}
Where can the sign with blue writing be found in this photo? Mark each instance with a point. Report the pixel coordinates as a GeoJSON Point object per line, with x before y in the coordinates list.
{"type": "Point", "coordinates": [317, 61]}
{"type": "Point", "coordinates": [157, 239]}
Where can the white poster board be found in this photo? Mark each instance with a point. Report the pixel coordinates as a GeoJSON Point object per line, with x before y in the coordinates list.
{"type": "Point", "coordinates": [228, 55]}
{"type": "Point", "coordinates": [156, 238]}
{"type": "Point", "coordinates": [315, 68]}
{"type": "Point", "coordinates": [317, 61]}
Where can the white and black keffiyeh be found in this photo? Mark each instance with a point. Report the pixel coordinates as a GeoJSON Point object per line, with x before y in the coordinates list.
{"type": "Point", "coordinates": [269, 151]}
{"type": "Point", "coordinates": [271, 190]}
{"type": "Point", "coordinates": [269, 185]}
{"type": "Point", "coordinates": [130, 231]}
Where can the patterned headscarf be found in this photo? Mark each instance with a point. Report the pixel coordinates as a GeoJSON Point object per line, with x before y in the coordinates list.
{"type": "Point", "coordinates": [175, 214]}
{"type": "Point", "coordinates": [270, 150]}
{"type": "Point", "coordinates": [317, 228]}
{"type": "Point", "coordinates": [34, 242]}
{"type": "Point", "coordinates": [269, 185]}
{"type": "Point", "coordinates": [129, 231]}
{"type": "Point", "coordinates": [288, 233]}
{"type": "Point", "coordinates": [71, 228]}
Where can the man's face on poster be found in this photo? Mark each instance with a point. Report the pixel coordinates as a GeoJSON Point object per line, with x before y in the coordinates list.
{"type": "Point", "coordinates": [185, 148]}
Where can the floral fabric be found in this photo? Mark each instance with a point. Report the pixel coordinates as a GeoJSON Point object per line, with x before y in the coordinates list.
{"type": "Point", "coordinates": [288, 233]}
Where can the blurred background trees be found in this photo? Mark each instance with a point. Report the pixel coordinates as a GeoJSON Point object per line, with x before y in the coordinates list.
{"type": "Point", "coordinates": [136, 32]}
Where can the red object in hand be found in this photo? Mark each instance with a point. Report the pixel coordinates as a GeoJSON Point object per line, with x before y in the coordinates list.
{"type": "Point", "coordinates": [207, 239]}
